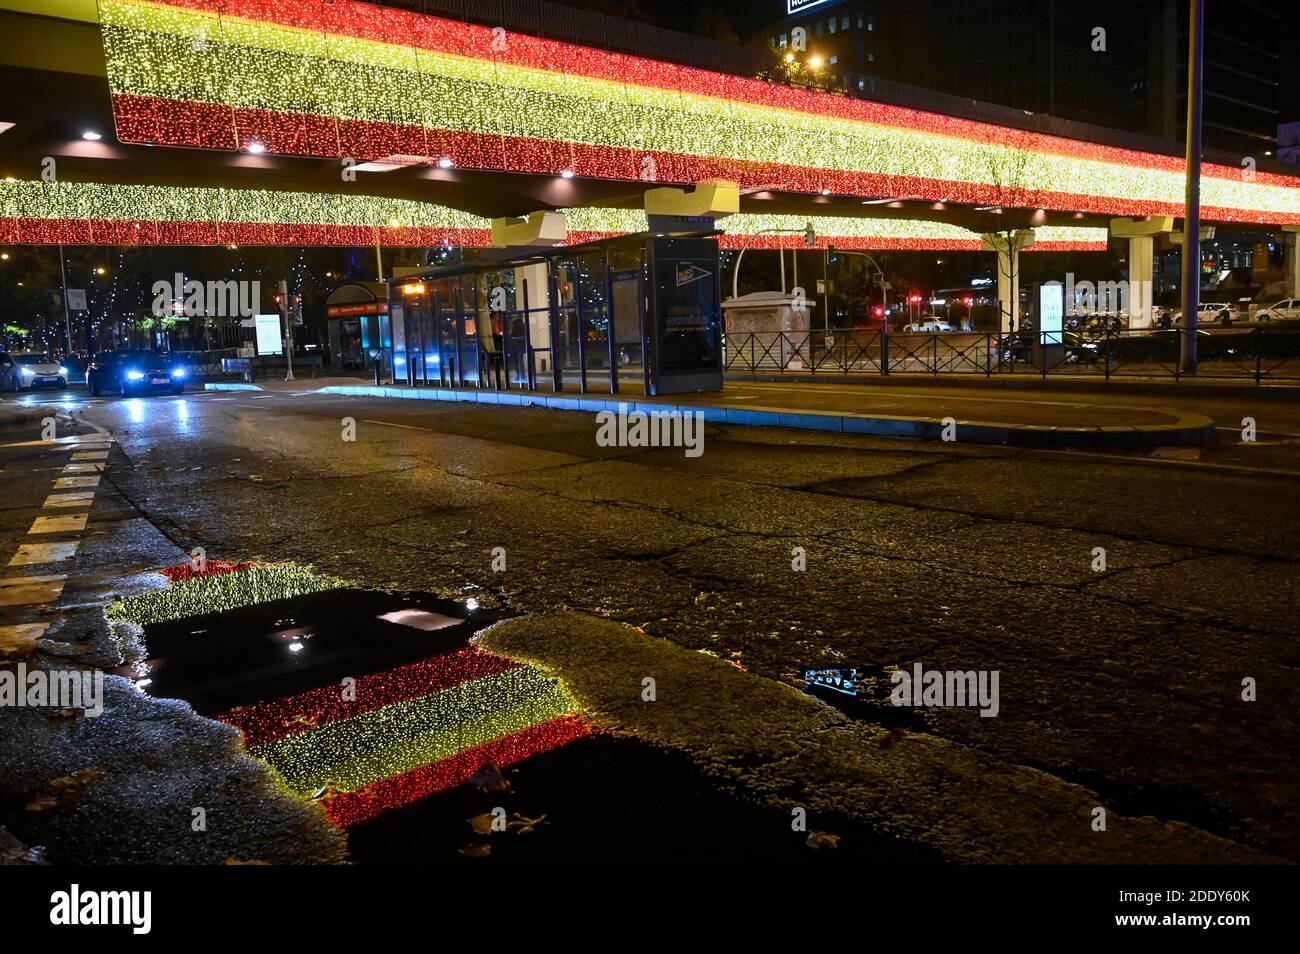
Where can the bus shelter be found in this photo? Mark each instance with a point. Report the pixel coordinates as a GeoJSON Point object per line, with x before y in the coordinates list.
{"type": "Point", "coordinates": [638, 314]}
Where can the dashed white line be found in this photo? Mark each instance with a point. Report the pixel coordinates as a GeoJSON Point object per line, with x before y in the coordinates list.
{"type": "Point", "coordinates": [71, 523]}
{"type": "Point", "coordinates": [33, 553]}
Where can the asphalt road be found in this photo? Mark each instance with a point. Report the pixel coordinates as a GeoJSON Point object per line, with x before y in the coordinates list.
{"type": "Point", "coordinates": [1120, 687]}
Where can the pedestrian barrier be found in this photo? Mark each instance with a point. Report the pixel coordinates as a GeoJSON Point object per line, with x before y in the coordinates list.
{"type": "Point", "coordinates": [1258, 353]}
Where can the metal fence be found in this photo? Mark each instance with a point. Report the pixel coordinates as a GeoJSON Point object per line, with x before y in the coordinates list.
{"type": "Point", "coordinates": [1258, 354]}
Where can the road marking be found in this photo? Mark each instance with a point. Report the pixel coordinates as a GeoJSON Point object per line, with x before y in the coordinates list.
{"type": "Point", "coordinates": [409, 427]}
{"type": "Point", "coordinates": [17, 634]}
{"type": "Point", "coordinates": [75, 483]}
{"type": "Point", "coordinates": [26, 590]}
{"type": "Point", "coordinates": [69, 524]}
{"type": "Point", "coordinates": [91, 455]}
{"type": "Point", "coordinates": [84, 440]}
{"type": "Point", "coordinates": [80, 499]}
{"type": "Point", "coordinates": [29, 553]}
{"type": "Point", "coordinates": [82, 468]}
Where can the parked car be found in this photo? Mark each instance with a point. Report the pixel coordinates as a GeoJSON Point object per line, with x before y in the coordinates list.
{"type": "Point", "coordinates": [1211, 311]}
{"type": "Point", "coordinates": [134, 372]}
{"type": "Point", "coordinates": [1280, 311]}
{"type": "Point", "coordinates": [29, 370]}
{"type": "Point", "coordinates": [928, 325]}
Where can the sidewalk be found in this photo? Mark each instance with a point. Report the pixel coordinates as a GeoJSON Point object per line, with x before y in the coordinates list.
{"type": "Point", "coordinates": [863, 411]}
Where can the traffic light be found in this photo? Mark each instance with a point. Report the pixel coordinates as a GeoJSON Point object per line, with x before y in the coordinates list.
{"type": "Point", "coordinates": [810, 235]}
{"type": "Point", "coordinates": [833, 258]}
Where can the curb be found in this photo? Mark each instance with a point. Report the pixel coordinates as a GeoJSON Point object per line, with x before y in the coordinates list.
{"type": "Point", "coordinates": [232, 387]}
{"type": "Point", "coordinates": [1186, 429]}
{"type": "Point", "coordinates": [1027, 382]}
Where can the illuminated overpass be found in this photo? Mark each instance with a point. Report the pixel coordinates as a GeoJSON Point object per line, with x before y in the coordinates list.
{"type": "Point", "coordinates": [226, 103]}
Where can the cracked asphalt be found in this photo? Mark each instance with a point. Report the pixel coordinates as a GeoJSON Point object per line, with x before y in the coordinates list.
{"type": "Point", "coordinates": [1119, 688]}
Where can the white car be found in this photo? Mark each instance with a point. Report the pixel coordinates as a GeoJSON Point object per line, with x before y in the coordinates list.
{"type": "Point", "coordinates": [1212, 312]}
{"type": "Point", "coordinates": [928, 324]}
{"type": "Point", "coordinates": [1281, 311]}
{"type": "Point", "coordinates": [33, 369]}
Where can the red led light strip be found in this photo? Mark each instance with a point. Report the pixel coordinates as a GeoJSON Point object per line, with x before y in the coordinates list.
{"type": "Point", "coordinates": [186, 571]}
{"type": "Point", "coordinates": [142, 119]}
{"type": "Point", "coordinates": [351, 808]}
{"type": "Point", "coordinates": [153, 232]}
{"type": "Point", "coordinates": [279, 718]}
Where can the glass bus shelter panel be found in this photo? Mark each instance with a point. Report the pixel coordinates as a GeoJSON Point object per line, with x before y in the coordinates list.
{"type": "Point", "coordinates": [567, 347]}
{"type": "Point", "coordinates": [627, 299]}
{"type": "Point", "coordinates": [593, 307]}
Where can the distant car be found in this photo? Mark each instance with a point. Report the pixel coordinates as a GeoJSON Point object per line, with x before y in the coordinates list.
{"type": "Point", "coordinates": [1210, 311]}
{"type": "Point", "coordinates": [928, 325]}
{"type": "Point", "coordinates": [134, 372]}
{"type": "Point", "coordinates": [1280, 311]}
{"type": "Point", "coordinates": [34, 369]}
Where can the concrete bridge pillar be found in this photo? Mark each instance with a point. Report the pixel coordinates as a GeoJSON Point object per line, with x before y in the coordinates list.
{"type": "Point", "coordinates": [1291, 270]}
{"type": "Point", "coordinates": [1141, 235]}
{"type": "Point", "coordinates": [1008, 248]}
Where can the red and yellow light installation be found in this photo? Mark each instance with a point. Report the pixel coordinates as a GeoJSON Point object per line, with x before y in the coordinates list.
{"type": "Point", "coordinates": [348, 79]}
{"type": "Point", "coordinates": [411, 731]}
{"type": "Point", "coordinates": [71, 213]}
{"type": "Point", "coordinates": [395, 736]}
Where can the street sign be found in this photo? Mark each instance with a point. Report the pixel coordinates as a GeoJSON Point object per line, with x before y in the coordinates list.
{"type": "Point", "coordinates": [77, 299]}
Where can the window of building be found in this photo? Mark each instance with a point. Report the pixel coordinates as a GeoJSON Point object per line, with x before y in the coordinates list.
{"type": "Point", "coordinates": [834, 60]}
{"type": "Point", "coordinates": [783, 41]}
{"type": "Point", "coordinates": [831, 24]}
{"type": "Point", "coordinates": [871, 57]}
{"type": "Point", "coordinates": [844, 24]}
{"type": "Point", "coordinates": [820, 28]}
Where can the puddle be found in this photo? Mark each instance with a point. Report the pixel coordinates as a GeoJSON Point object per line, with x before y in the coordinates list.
{"type": "Point", "coordinates": [376, 705]}
{"type": "Point", "coordinates": [607, 798]}
{"type": "Point", "coordinates": [221, 660]}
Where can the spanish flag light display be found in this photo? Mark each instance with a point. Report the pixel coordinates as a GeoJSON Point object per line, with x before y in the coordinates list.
{"type": "Point", "coordinates": [354, 80]}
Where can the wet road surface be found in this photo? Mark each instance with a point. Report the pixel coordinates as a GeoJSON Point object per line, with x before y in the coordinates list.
{"type": "Point", "coordinates": [1119, 686]}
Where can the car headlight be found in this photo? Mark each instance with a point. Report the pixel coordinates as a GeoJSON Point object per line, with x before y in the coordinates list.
{"type": "Point", "coordinates": [178, 372]}
{"type": "Point", "coordinates": [62, 370]}
{"type": "Point", "coordinates": [28, 371]}
{"type": "Point", "coordinates": [135, 375]}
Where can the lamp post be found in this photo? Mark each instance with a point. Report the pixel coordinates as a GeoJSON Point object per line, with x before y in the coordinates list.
{"type": "Point", "coordinates": [810, 238]}
{"type": "Point", "coordinates": [1192, 199]}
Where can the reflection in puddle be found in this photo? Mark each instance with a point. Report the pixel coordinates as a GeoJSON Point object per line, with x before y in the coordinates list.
{"type": "Point", "coordinates": [366, 700]}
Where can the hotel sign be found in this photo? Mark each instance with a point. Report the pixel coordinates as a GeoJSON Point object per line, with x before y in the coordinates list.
{"type": "Point", "coordinates": [800, 6]}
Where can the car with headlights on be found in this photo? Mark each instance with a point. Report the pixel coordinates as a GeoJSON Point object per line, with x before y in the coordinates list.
{"type": "Point", "coordinates": [135, 372]}
{"type": "Point", "coordinates": [29, 370]}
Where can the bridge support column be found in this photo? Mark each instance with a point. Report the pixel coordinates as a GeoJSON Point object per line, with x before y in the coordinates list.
{"type": "Point", "coordinates": [715, 200]}
{"type": "Point", "coordinates": [1291, 269]}
{"type": "Point", "coordinates": [1008, 248]}
{"type": "Point", "coordinates": [1141, 235]}
{"type": "Point", "coordinates": [540, 228]}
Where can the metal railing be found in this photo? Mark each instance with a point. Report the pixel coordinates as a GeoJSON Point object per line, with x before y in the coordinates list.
{"type": "Point", "coordinates": [1257, 353]}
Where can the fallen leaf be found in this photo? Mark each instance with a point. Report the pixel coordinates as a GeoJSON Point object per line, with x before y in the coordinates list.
{"type": "Point", "coordinates": [476, 850]}
{"type": "Point", "coordinates": [69, 786]}
{"type": "Point", "coordinates": [821, 840]}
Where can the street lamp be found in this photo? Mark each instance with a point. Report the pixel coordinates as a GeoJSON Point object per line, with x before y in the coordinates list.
{"type": "Point", "coordinates": [809, 238]}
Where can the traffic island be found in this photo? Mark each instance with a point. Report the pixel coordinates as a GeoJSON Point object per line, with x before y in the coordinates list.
{"type": "Point", "coordinates": [1102, 427]}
